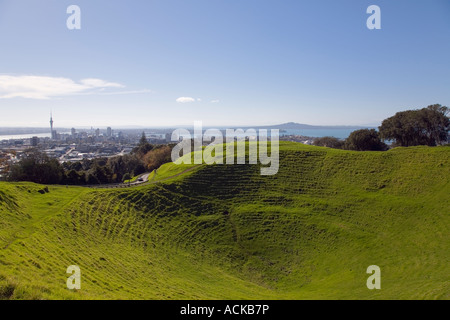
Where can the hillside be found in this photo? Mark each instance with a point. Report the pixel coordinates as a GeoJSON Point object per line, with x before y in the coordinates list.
{"type": "Point", "coordinates": [225, 232]}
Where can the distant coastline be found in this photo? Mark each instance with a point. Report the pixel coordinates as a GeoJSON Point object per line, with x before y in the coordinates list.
{"type": "Point", "coordinates": [24, 136]}
{"type": "Point", "coordinates": [291, 128]}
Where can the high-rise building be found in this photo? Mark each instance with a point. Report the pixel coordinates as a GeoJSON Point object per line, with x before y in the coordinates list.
{"type": "Point", "coordinates": [109, 132]}
{"type": "Point", "coordinates": [51, 124]}
{"type": "Point", "coordinates": [53, 132]}
{"type": "Point", "coordinates": [34, 141]}
{"type": "Point", "coordinates": [73, 132]}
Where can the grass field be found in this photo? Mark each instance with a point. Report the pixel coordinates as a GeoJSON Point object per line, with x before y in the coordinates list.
{"type": "Point", "coordinates": [226, 232]}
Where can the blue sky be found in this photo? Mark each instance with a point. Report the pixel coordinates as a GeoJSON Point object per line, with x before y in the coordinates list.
{"type": "Point", "coordinates": [223, 62]}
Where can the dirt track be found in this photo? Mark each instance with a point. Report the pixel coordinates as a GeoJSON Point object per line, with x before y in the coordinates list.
{"type": "Point", "coordinates": [140, 183]}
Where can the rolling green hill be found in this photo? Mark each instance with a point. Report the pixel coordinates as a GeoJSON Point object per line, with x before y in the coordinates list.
{"type": "Point", "coordinates": [226, 232]}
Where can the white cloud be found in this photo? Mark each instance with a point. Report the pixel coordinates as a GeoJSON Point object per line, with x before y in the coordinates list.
{"type": "Point", "coordinates": [215, 101]}
{"type": "Point", "coordinates": [185, 100]}
{"type": "Point", "coordinates": [42, 87]}
{"type": "Point", "coordinates": [128, 92]}
{"type": "Point", "coordinates": [99, 83]}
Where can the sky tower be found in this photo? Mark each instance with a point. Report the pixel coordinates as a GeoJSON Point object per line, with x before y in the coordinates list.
{"type": "Point", "coordinates": [53, 132]}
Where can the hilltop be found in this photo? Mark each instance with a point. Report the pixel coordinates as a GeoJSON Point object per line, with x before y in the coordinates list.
{"type": "Point", "coordinates": [225, 232]}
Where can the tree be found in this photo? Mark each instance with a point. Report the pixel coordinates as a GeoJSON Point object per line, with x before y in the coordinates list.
{"type": "Point", "coordinates": [72, 177]}
{"type": "Point", "coordinates": [37, 167]}
{"type": "Point", "coordinates": [126, 177]}
{"type": "Point", "coordinates": [428, 126]}
{"type": "Point", "coordinates": [365, 140]}
{"type": "Point", "coordinates": [329, 142]}
{"type": "Point", "coordinates": [143, 140]}
{"type": "Point", "coordinates": [91, 179]}
{"type": "Point", "coordinates": [157, 157]}
{"type": "Point", "coordinates": [139, 169]}
{"type": "Point", "coordinates": [143, 146]}
{"type": "Point", "coordinates": [130, 163]}
{"type": "Point", "coordinates": [101, 174]}
{"type": "Point", "coordinates": [4, 163]}
{"type": "Point", "coordinates": [435, 124]}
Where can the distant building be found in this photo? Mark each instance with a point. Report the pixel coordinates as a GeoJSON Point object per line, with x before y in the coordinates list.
{"type": "Point", "coordinates": [97, 133]}
{"type": "Point", "coordinates": [109, 132]}
{"type": "Point", "coordinates": [34, 141]}
{"type": "Point", "coordinates": [53, 132]}
{"type": "Point", "coordinates": [73, 132]}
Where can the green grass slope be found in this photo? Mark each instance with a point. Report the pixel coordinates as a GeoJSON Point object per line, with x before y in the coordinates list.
{"type": "Point", "coordinates": [226, 232]}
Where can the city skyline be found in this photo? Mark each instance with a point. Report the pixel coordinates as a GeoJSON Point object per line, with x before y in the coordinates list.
{"type": "Point", "coordinates": [51, 128]}
{"type": "Point", "coordinates": [255, 63]}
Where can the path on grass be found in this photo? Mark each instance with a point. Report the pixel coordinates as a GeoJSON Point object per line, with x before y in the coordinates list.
{"type": "Point", "coordinates": [144, 177]}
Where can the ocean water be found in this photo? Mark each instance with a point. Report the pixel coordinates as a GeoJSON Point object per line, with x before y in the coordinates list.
{"type": "Point", "coordinates": [24, 136]}
{"type": "Point", "coordinates": [318, 133]}
{"type": "Point", "coordinates": [340, 133]}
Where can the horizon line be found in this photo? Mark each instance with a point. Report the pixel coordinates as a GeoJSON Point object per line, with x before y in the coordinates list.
{"type": "Point", "coordinates": [124, 126]}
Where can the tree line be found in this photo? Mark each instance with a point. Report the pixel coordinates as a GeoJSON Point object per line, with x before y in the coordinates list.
{"type": "Point", "coordinates": [36, 166]}
{"type": "Point", "coordinates": [428, 126]}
